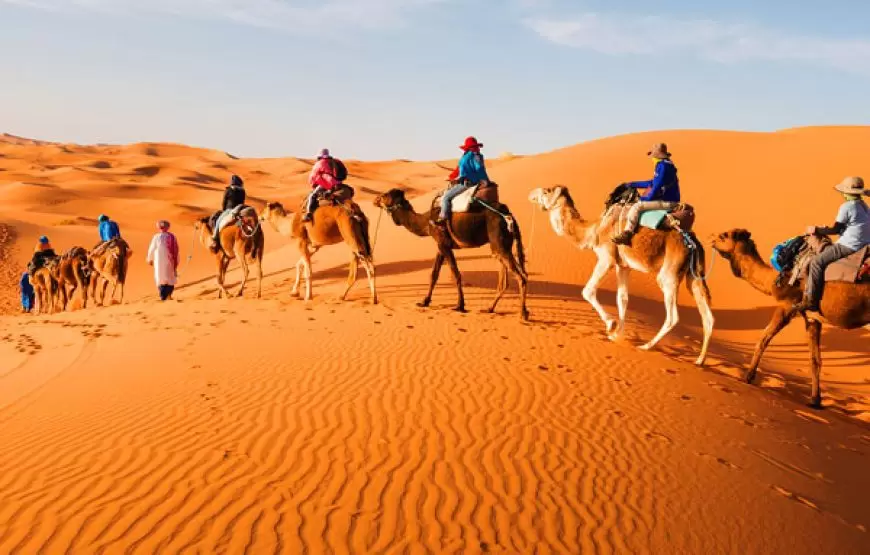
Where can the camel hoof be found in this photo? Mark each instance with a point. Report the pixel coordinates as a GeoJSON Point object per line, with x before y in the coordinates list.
{"type": "Point", "coordinates": [700, 362]}
{"type": "Point", "coordinates": [375, 300]}
{"type": "Point", "coordinates": [815, 403]}
{"type": "Point", "coordinates": [646, 347]}
{"type": "Point", "coordinates": [525, 315]}
{"type": "Point", "coordinates": [424, 303]}
{"type": "Point", "coordinates": [460, 309]}
{"type": "Point", "coordinates": [749, 377]}
{"type": "Point", "coordinates": [610, 326]}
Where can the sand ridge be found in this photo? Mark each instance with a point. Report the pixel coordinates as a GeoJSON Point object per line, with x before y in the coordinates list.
{"type": "Point", "coordinates": [282, 426]}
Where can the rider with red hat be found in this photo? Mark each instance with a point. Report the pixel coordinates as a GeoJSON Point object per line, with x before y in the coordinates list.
{"type": "Point", "coordinates": [470, 172]}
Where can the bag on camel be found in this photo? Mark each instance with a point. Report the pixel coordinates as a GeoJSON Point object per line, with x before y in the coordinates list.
{"type": "Point", "coordinates": [339, 170]}
{"type": "Point", "coordinates": [784, 254]}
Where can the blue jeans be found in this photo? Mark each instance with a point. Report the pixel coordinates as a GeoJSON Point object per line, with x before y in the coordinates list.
{"type": "Point", "coordinates": [449, 195]}
{"type": "Point", "coordinates": [313, 198]}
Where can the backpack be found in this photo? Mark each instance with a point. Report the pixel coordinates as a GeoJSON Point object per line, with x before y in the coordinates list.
{"type": "Point", "coordinates": [784, 254]}
{"type": "Point", "coordinates": [339, 170]}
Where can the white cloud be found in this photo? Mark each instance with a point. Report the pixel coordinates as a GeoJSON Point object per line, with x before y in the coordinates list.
{"type": "Point", "coordinates": [723, 42]}
{"type": "Point", "coordinates": [293, 15]}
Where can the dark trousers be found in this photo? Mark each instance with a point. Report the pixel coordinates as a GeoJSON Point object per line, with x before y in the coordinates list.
{"type": "Point", "coordinates": [314, 198]}
{"type": "Point", "coordinates": [816, 277]}
{"type": "Point", "coordinates": [165, 291]}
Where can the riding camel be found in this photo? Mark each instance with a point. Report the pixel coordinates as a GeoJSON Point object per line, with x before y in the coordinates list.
{"type": "Point", "coordinates": [241, 240]}
{"type": "Point", "coordinates": [110, 262]}
{"type": "Point", "coordinates": [662, 252]}
{"type": "Point", "coordinates": [333, 224]}
{"type": "Point", "coordinates": [465, 230]}
{"type": "Point", "coordinates": [843, 305]}
{"type": "Point", "coordinates": [72, 271]}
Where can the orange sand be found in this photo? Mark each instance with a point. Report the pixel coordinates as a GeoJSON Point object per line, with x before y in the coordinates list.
{"type": "Point", "coordinates": [328, 427]}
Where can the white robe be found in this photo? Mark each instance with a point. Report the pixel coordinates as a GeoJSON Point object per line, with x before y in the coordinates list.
{"type": "Point", "coordinates": [165, 261]}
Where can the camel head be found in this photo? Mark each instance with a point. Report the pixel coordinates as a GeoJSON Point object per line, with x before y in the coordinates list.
{"type": "Point", "coordinates": [392, 200]}
{"type": "Point", "coordinates": [548, 198]}
{"type": "Point", "coordinates": [733, 242]}
{"type": "Point", "coordinates": [272, 210]}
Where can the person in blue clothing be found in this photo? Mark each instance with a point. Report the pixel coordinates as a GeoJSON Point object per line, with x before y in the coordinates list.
{"type": "Point", "coordinates": [27, 294]}
{"type": "Point", "coordinates": [108, 229]}
{"type": "Point", "coordinates": [662, 192]}
{"type": "Point", "coordinates": [470, 172]}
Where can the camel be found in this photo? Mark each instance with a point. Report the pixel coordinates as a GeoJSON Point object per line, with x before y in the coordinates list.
{"type": "Point", "coordinates": [661, 251]}
{"type": "Point", "coordinates": [466, 230]}
{"type": "Point", "coordinates": [332, 224]}
{"type": "Point", "coordinates": [238, 241]}
{"type": "Point", "coordinates": [110, 267]}
{"type": "Point", "coordinates": [72, 269]}
{"type": "Point", "coordinates": [44, 289]}
{"type": "Point", "coordinates": [843, 305]}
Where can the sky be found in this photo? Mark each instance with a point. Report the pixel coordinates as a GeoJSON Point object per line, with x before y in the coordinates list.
{"type": "Point", "coordinates": [387, 79]}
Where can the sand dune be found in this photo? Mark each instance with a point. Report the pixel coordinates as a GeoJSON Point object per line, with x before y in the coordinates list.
{"type": "Point", "coordinates": [338, 427]}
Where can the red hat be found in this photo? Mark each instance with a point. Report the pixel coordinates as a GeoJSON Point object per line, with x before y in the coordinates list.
{"type": "Point", "coordinates": [471, 143]}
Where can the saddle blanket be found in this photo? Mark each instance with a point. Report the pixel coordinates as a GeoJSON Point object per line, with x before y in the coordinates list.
{"type": "Point", "coordinates": [653, 218]}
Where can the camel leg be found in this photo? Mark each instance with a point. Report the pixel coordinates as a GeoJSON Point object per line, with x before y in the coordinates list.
{"type": "Point", "coordinates": [295, 291]}
{"type": "Point", "coordinates": [306, 268]}
{"type": "Point", "coordinates": [369, 267]}
{"type": "Point", "coordinates": [781, 318]}
{"type": "Point", "coordinates": [702, 299]}
{"type": "Point", "coordinates": [223, 264]}
{"type": "Point", "coordinates": [260, 276]}
{"type": "Point", "coordinates": [351, 274]}
{"type": "Point", "coordinates": [669, 287]}
{"type": "Point", "coordinates": [84, 287]}
{"type": "Point", "coordinates": [457, 276]}
{"type": "Point", "coordinates": [590, 292]}
{"type": "Point", "coordinates": [501, 287]}
{"type": "Point", "coordinates": [622, 275]}
{"type": "Point", "coordinates": [814, 336]}
{"type": "Point", "coordinates": [243, 263]}
{"type": "Point", "coordinates": [433, 279]}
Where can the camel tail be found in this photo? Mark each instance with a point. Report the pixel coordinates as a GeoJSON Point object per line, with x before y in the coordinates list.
{"type": "Point", "coordinates": [697, 266]}
{"type": "Point", "coordinates": [122, 261]}
{"type": "Point", "coordinates": [365, 248]}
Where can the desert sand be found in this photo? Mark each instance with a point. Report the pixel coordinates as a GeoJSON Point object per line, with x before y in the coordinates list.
{"type": "Point", "coordinates": [278, 425]}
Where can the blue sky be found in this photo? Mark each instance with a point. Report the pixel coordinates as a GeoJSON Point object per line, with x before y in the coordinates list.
{"type": "Point", "coordinates": [378, 79]}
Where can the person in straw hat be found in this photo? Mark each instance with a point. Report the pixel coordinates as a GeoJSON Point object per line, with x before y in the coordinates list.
{"type": "Point", "coordinates": [662, 192]}
{"type": "Point", "coordinates": [853, 227]}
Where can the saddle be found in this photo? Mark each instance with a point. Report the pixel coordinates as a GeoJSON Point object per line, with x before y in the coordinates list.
{"type": "Point", "coordinates": [340, 195]}
{"type": "Point", "coordinates": [620, 200]}
{"type": "Point", "coordinates": [485, 191]}
{"type": "Point", "coordinates": [854, 268]}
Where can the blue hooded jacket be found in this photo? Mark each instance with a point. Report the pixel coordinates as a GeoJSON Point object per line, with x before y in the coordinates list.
{"type": "Point", "coordinates": [472, 168]}
{"type": "Point", "coordinates": [26, 291]}
{"type": "Point", "coordinates": [665, 185]}
{"type": "Point", "coordinates": [109, 230]}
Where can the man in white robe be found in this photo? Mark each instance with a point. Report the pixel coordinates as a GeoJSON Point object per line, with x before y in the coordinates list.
{"type": "Point", "coordinates": [163, 255]}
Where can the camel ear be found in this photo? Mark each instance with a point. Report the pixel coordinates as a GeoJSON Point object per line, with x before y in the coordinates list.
{"type": "Point", "coordinates": [742, 234]}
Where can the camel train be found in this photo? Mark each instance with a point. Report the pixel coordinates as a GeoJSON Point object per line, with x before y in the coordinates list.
{"type": "Point", "coordinates": [635, 232]}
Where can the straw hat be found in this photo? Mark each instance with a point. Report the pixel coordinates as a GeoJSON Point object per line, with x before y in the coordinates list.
{"type": "Point", "coordinates": [659, 151]}
{"type": "Point", "coordinates": [852, 186]}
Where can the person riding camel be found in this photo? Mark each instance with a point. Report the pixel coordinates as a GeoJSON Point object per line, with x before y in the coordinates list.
{"type": "Point", "coordinates": [108, 229]}
{"type": "Point", "coordinates": [42, 252]}
{"type": "Point", "coordinates": [323, 177]}
{"type": "Point", "coordinates": [234, 200]}
{"type": "Point", "coordinates": [662, 192]}
{"type": "Point", "coordinates": [470, 172]}
{"type": "Point", "coordinates": [853, 227]}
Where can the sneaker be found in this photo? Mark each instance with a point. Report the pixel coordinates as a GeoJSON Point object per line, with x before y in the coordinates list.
{"type": "Point", "coordinates": [623, 238]}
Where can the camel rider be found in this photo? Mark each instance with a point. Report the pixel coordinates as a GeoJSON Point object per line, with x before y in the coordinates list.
{"type": "Point", "coordinates": [853, 227]}
{"type": "Point", "coordinates": [234, 200]}
{"type": "Point", "coordinates": [41, 253]}
{"type": "Point", "coordinates": [322, 178]}
{"type": "Point", "coordinates": [108, 229]}
{"type": "Point", "coordinates": [662, 192]}
{"type": "Point", "coordinates": [470, 172]}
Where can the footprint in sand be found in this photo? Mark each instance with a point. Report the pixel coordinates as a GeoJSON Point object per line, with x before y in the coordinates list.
{"type": "Point", "coordinates": [658, 437]}
{"type": "Point", "coordinates": [720, 460]}
{"type": "Point", "coordinates": [720, 387]}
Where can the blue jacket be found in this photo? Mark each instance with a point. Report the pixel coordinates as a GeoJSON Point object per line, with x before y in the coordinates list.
{"type": "Point", "coordinates": [472, 167]}
{"type": "Point", "coordinates": [665, 185]}
{"type": "Point", "coordinates": [109, 230]}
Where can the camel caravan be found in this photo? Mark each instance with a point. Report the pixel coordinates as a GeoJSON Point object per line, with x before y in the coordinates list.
{"type": "Point", "coordinates": [644, 227]}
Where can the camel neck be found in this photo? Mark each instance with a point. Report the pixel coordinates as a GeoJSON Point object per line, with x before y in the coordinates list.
{"type": "Point", "coordinates": [750, 267]}
{"type": "Point", "coordinates": [418, 224]}
{"type": "Point", "coordinates": [567, 221]}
